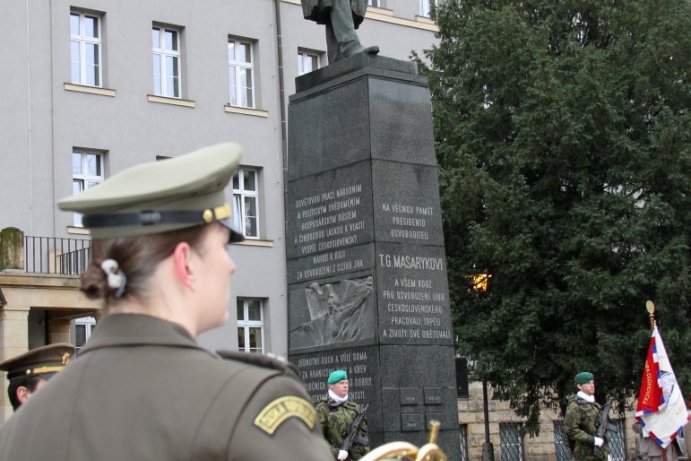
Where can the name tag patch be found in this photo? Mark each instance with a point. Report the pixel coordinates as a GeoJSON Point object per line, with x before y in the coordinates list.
{"type": "Point", "coordinates": [277, 412]}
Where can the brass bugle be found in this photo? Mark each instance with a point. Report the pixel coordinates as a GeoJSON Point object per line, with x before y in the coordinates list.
{"type": "Point", "coordinates": [400, 451]}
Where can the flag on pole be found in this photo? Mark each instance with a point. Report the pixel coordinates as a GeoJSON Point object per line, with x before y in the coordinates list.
{"type": "Point", "coordinates": [661, 409]}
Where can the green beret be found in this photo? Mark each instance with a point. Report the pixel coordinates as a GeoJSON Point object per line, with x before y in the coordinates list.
{"type": "Point", "coordinates": [155, 197]}
{"type": "Point", "coordinates": [336, 376]}
{"type": "Point", "coordinates": [583, 377]}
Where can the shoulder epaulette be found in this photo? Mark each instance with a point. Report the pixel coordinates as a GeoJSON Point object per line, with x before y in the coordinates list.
{"type": "Point", "coordinates": [262, 360]}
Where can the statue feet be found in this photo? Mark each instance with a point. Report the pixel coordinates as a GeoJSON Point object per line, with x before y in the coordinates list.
{"type": "Point", "coordinates": [355, 48]}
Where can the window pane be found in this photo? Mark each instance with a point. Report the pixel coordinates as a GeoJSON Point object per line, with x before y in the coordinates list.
{"type": "Point", "coordinates": [92, 65]}
{"type": "Point", "coordinates": [77, 186]}
{"type": "Point", "coordinates": [155, 38]}
{"type": "Point", "coordinates": [237, 211]}
{"type": "Point", "coordinates": [76, 163]}
{"type": "Point", "coordinates": [241, 310]}
{"type": "Point", "coordinates": [74, 24]}
{"type": "Point", "coordinates": [171, 40]}
{"type": "Point", "coordinates": [157, 74]}
{"type": "Point", "coordinates": [233, 88]}
{"type": "Point", "coordinates": [231, 51]}
{"type": "Point", "coordinates": [90, 26]}
{"type": "Point", "coordinates": [80, 335]}
{"type": "Point", "coordinates": [74, 70]}
{"type": "Point", "coordinates": [91, 184]}
{"type": "Point", "coordinates": [244, 54]}
{"type": "Point", "coordinates": [255, 338]}
{"type": "Point", "coordinates": [249, 181]}
{"type": "Point", "coordinates": [313, 63]}
{"type": "Point", "coordinates": [251, 227]}
{"type": "Point", "coordinates": [241, 338]}
{"type": "Point", "coordinates": [236, 181]}
{"type": "Point", "coordinates": [93, 163]}
{"type": "Point", "coordinates": [254, 310]}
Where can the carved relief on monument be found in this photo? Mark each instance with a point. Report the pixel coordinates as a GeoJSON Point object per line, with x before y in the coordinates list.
{"type": "Point", "coordinates": [339, 312]}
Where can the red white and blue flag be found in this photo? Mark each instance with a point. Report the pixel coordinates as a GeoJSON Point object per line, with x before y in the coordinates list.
{"type": "Point", "coordinates": [661, 409]}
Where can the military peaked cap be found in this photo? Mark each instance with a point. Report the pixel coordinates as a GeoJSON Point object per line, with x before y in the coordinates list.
{"type": "Point", "coordinates": [41, 361]}
{"type": "Point", "coordinates": [162, 196]}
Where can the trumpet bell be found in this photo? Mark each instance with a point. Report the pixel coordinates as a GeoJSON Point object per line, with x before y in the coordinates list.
{"type": "Point", "coordinates": [404, 451]}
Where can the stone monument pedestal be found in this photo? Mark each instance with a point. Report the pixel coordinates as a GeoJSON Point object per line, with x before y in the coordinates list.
{"type": "Point", "coordinates": [367, 279]}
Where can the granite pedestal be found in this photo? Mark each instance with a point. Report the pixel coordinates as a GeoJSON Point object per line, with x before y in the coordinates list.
{"type": "Point", "coordinates": [367, 275]}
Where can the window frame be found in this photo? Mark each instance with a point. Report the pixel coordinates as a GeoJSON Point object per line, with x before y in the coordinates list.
{"type": "Point", "coordinates": [161, 53]}
{"type": "Point", "coordinates": [314, 55]}
{"type": "Point", "coordinates": [246, 325]}
{"type": "Point", "coordinates": [89, 323]}
{"type": "Point", "coordinates": [425, 8]}
{"type": "Point", "coordinates": [83, 40]}
{"type": "Point", "coordinates": [236, 68]}
{"type": "Point", "coordinates": [242, 194]}
{"type": "Point", "coordinates": [87, 181]}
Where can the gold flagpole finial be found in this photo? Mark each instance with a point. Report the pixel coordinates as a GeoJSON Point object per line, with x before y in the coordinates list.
{"type": "Point", "coordinates": [650, 307]}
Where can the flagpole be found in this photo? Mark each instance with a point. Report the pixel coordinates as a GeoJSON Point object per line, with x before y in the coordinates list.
{"type": "Point", "coordinates": [650, 307]}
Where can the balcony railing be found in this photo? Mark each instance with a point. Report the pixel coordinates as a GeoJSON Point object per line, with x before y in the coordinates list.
{"type": "Point", "coordinates": [51, 255]}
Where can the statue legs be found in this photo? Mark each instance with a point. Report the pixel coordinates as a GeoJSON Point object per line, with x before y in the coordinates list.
{"type": "Point", "coordinates": [341, 39]}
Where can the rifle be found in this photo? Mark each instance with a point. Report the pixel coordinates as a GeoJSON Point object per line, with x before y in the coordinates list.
{"type": "Point", "coordinates": [350, 438]}
{"type": "Point", "coordinates": [603, 425]}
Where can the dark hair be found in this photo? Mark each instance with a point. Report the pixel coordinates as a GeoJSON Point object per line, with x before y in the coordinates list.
{"type": "Point", "coordinates": [30, 382]}
{"type": "Point", "coordinates": [137, 258]}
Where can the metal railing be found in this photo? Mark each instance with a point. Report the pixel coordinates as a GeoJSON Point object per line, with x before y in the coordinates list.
{"type": "Point", "coordinates": [52, 255]}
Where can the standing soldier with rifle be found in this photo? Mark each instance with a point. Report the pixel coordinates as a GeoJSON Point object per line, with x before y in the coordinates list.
{"type": "Point", "coordinates": [581, 421]}
{"type": "Point", "coordinates": [343, 421]}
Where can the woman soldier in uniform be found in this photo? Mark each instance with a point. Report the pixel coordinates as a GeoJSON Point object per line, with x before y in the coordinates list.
{"type": "Point", "coordinates": [142, 389]}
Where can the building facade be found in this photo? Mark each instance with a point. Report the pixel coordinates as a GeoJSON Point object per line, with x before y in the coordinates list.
{"type": "Point", "coordinates": [95, 86]}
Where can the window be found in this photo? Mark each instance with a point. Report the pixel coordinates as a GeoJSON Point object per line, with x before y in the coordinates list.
{"type": "Point", "coordinates": [426, 7]}
{"type": "Point", "coordinates": [463, 429]}
{"type": "Point", "coordinates": [374, 3]}
{"type": "Point", "coordinates": [307, 62]}
{"type": "Point", "coordinates": [511, 441]}
{"type": "Point", "coordinates": [241, 73]}
{"type": "Point", "coordinates": [87, 172]}
{"type": "Point", "coordinates": [245, 206]}
{"type": "Point", "coordinates": [82, 329]}
{"type": "Point", "coordinates": [165, 43]}
{"type": "Point", "coordinates": [250, 325]}
{"type": "Point", "coordinates": [85, 49]}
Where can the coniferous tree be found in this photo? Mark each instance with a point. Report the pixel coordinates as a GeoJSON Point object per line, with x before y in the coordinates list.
{"type": "Point", "coordinates": [564, 144]}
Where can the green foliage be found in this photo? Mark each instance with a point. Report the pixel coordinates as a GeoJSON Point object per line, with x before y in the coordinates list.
{"type": "Point", "coordinates": [564, 143]}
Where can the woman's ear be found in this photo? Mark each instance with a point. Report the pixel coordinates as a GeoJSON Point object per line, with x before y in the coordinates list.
{"type": "Point", "coordinates": [23, 394]}
{"type": "Point", "coordinates": [181, 262]}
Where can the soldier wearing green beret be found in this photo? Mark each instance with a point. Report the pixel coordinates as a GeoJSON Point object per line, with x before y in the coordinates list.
{"type": "Point", "coordinates": [30, 371]}
{"type": "Point", "coordinates": [580, 420]}
{"type": "Point", "coordinates": [141, 388]}
{"type": "Point", "coordinates": [336, 416]}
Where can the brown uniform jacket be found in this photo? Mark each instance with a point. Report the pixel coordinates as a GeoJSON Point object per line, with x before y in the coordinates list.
{"type": "Point", "coordinates": [142, 389]}
{"type": "Point", "coordinates": [318, 10]}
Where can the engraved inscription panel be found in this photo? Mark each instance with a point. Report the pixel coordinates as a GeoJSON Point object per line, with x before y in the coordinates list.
{"type": "Point", "coordinates": [413, 295]}
{"type": "Point", "coordinates": [330, 211]}
{"type": "Point", "coordinates": [406, 204]}
{"type": "Point", "coordinates": [361, 364]}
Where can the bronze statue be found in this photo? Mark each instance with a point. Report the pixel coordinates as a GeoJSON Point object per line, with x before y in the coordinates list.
{"type": "Point", "coordinates": [341, 18]}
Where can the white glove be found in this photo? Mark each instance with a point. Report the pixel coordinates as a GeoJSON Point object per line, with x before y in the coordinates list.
{"type": "Point", "coordinates": [598, 441]}
{"type": "Point", "coordinates": [342, 455]}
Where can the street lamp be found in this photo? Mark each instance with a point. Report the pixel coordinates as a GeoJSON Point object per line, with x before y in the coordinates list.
{"type": "Point", "coordinates": [480, 283]}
